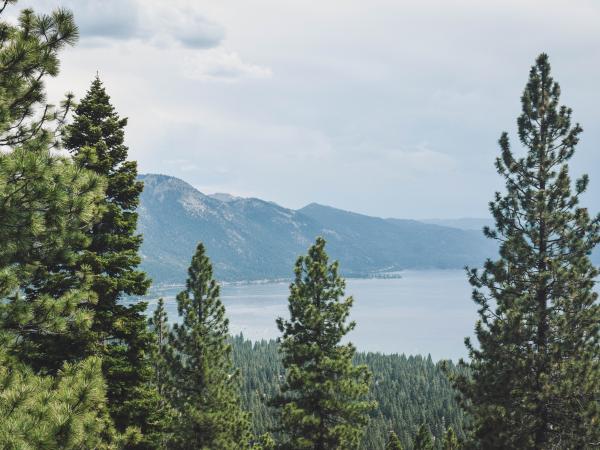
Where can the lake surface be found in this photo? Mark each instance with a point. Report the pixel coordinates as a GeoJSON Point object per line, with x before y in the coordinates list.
{"type": "Point", "coordinates": [423, 312]}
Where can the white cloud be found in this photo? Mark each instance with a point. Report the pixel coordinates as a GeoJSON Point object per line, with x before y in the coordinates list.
{"type": "Point", "coordinates": [160, 23]}
{"type": "Point", "coordinates": [302, 101]}
{"type": "Point", "coordinates": [221, 65]}
{"type": "Point", "coordinates": [183, 22]}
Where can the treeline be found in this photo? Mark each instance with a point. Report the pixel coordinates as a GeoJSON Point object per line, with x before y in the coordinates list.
{"type": "Point", "coordinates": [82, 369]}
{"type": "Point", "coordinates": [409, 390]}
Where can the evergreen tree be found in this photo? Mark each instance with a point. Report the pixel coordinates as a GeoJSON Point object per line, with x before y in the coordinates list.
{"type": "Point", "coordinates": [323, 401]}
{"type": "Point", "coordinates": [409, 391]}
{"type": "Point", "coordinates": [161, 349]}
{"type": "Point", "coordinates": [205, 386]}
{"type": "Point", "coordinates": [28, 55]}
{"type": "Point", "coordinates": [95, 138]}
{"type": "Point", "coordinates": [46, 205]}
{"type": "Point", "coordinates": [162, 381]}
{"type": "Point", "coordinates": [66, 412]}
{"type": "Point", "coordinates": [393, 442]}
{"type": "Point", "coordinates": [535, 377]}
{"type": "Point", "coordinates": [423, 440]}
{"type": "Point", "coordinates": [450, 441]}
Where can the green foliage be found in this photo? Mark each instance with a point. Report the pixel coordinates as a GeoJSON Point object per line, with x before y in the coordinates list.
{"type": "Point", "coordinates": [67, 411]}
{"type": "Point", "coordinates": [393, 442]}
{"type": "Point", "coordinates": [264, 442]}
{"type": "Point", "coordinates": [450, 441]}
{"type": "Point", "coordinates": [46, 204]}
{"type": "Point", "coordinates": [161, 378]}
{"type": "Point", "coordinates": [323, 400]}
{"type": "Point", "coordinates": [95, 138]}
{"type": "Point", "coordinates": [204, 386]}
{"type": "Point", "coordinates": [535, 377]}
{"type": "Point", "coordinates": [28, 54]}
{"type": "Point", "coordinates": [409, 391]}
{"type": "Point", "coordinates": [38, 206]}
{"type": "Point", "coordinates": [423, 439]}
{"type": "Point", "coordinates": [161, 348]}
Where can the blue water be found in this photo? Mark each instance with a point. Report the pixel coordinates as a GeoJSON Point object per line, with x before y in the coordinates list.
{"type": "Point", "coordinates": [423, 312]}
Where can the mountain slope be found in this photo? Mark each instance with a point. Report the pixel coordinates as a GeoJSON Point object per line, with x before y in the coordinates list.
{"type": "Point", "coordinates": [251, 239]}
{"type": "Point", "coordinates": [465, 223]}
{"type": "Point", "coordinates": [371, 244]}
{"type": "Point", "coordinates": [246, 238]}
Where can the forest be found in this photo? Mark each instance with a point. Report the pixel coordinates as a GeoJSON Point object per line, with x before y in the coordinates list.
{"type": "Point", "coordinates": [409, 390]}
{"type": "Point", "coordinates": [81, 368]}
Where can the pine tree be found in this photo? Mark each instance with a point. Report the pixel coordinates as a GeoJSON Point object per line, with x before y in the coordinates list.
{"type": "Point", "coordinates": [393, 442]}
{"type": "Point", "coordinates": [205, 386]}
{"type": "Point", "coordinates": [95, 138]}
{"type": "Point", "coordinates": [162, 381]}
{"type": "Point", "coordinates": [66, 412]}
{"type": "Point", "coordinates": [450, 441]}
{"type": "Point", "coordinates": [535, 377]}
{"type": "Point", "coordinates": [423, 439]}
{"type": "Point", "coordinates": [46, 204]}
{"type": "Point", "coordinates": [323, 401]}
{"type": "Point", "coordinates": [28, 55]}
{"type": "Point", "coordinates": [161, 349]}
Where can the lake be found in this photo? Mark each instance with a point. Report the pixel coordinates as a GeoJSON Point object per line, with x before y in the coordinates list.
{"type": "Point", "coordinates": [423, 312]}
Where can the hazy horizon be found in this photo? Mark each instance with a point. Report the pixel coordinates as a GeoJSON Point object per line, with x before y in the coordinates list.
{"type": "Point", "coordinates": [391, 109]}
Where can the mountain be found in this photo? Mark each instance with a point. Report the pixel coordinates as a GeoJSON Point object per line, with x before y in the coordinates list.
{"type": "Point", "coordinates": [252, 239]}
{"type": "Point", "coordinates": [464, 223]}
{"type": "Point", "coordinates": [223, 197]}
{"type": "Point", "coordinates": [247, 239]}
{"type": "Point", "coordinates": [371, 244]}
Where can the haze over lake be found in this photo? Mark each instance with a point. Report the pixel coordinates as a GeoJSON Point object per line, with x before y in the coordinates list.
{"type": "Point", "coordinates": [423, 312]}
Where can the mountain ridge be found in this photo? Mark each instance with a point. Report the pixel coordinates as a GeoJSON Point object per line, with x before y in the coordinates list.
{"type": "Point", "coordinates": [253, 239]}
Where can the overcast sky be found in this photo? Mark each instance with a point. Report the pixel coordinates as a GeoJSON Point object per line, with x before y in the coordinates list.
{"type": "Point", "coordinates": [384, 107]}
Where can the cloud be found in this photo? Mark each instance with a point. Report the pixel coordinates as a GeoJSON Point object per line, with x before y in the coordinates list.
{"type": "Point", "coordinates": [222, 65]}
{"type": "Point", "coordinates": [182, 22]}
{"type": "Point", "coordinates": [391, 108]}
{"type": "Point", "coordinates": [156, 22]}
{"type": "Point", "coordinates": [105, 19]}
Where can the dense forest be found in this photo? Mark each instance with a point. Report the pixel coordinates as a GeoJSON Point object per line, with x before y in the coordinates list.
{"type": "Point", "coordinates": [81, 368]}
{"type": "Point", "coordinates": [409, 391]}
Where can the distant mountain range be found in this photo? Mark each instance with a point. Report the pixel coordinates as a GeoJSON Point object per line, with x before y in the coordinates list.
{"type": "Point", "coordinates": [465, 223]}
{"type": "Point", "coordinates": [252, 239]}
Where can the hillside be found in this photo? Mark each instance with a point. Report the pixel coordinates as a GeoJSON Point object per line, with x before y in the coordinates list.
{"type": "Point", "coordinates": [252, 239]}
{"type": "Point", "coordinates": [247, 239]}
{"type": "Point", "coordinates": [371, 244]}
{"type": "Point", "coordinates": [464, 223]}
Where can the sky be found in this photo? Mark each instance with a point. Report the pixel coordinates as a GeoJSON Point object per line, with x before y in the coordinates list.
{"type": "Point", "coordinates": [385, 107]}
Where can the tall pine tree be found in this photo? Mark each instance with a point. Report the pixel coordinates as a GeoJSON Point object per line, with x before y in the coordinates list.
{"type": "Point", "coordinates": [161, 350]}
{"type": "Point", "coordinates": [162, 381]}
{"type": "Point", "coordinates": [95, 138]}
{"type": "Point", "coordinates": [535, 376]}
{"type": "Point", "coordinates": [46, 205]}
{"type": "Point", "coordinates": [323, 401]}
{"type": "Point", "coordinates": [45, 202]}
{"type": "Point", "coordinates": [205, 386]}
